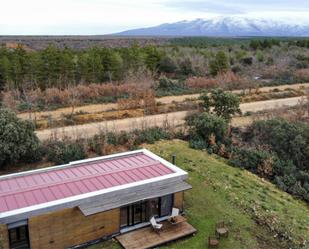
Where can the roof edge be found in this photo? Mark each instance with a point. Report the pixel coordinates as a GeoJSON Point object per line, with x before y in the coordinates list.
{"type": "Point", "coordinates": [70, 164]}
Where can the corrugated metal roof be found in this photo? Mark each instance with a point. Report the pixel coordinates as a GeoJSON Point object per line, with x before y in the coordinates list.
{"type": "Point", "coordinates": [40, 187]}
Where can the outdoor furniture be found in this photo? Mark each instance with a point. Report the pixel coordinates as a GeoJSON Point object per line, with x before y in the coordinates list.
{"type": "Point", "coordinates": [213, 242]}
{"type": "Point", "coordinates": [221, 230]}
{"type": "Point", "coordinates": [156, 226]}
{"type": "Point", "coordinates": [173, 217]}
{"type": "Point", "coordinates": [175, 212]}
{"type": "Point", "coordinates": [177, 219]}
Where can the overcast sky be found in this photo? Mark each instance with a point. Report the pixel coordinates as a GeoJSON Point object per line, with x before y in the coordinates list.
{"type": "Point", "coordinates": [82, 17]}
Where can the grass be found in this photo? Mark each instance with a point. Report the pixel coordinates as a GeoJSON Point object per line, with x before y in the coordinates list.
{"type": "Point", "coordinates": [259, 215]}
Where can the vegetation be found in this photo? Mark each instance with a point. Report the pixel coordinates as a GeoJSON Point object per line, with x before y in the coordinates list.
{"type": "Point", "coordinates": [223, 104]}
{"type": "Point", "coordinates": [281, 157]}
{"type": "Point", "coordinates": [258, 214]}
{"type": "Point", "coordinates": [55, 151]}
{"type": "Point", "coordinates": [219, 64]}
{"type": "Point", "coordinates": [53, 76]}
{"type": "Point", "coordinates": [18, 141]}
{"type": "Point", "coordinates": [207, 130]}
{"type": "Point", "coordinates": [61, 152]}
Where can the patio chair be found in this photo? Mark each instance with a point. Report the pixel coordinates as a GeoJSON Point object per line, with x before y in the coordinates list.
{"type": "Point", "coordinates": [156, 226]}
{"type": "Point", "coordinates": [213, 242]}
{"type": "Point", "coordinates": [221, 230]}
{"type": "Point", "coordinates": [175, 212]}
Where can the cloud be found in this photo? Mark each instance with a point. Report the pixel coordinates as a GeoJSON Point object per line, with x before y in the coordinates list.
{"type": "Point", "coordinates": [34, 17]}
{"type": "Point", "coordinates": [239, 6]}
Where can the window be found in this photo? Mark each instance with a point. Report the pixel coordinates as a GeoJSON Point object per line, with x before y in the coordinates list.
{"type": "Point", "coordinates": [19, 237]}
{"type": "Point", "coordinates": [124, 216]}
{"type": "Point", "coordinates": [153, 207]}
{"type": "Point", "coordinates": [166, 205]}
{"type": "Point", "coordinates": [142, 211]}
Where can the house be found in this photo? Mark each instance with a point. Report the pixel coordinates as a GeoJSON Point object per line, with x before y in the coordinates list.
{"type": "Point", "coordinates": [88, 200]}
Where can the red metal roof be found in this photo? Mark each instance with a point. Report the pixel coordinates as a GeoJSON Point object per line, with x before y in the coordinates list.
{"type": "Point", "coordinates": [50, 185]}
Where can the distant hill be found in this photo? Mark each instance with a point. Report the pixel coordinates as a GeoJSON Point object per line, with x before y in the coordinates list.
{"type": "Point", "coordinates": [224, 26]}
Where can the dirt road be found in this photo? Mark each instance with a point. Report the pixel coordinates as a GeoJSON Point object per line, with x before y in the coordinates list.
{"type": "Point", "coordinates": [174, 119]}
{"type": "Point", "coordinates": [96, 108]}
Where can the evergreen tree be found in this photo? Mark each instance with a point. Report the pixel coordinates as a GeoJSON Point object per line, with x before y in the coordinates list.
{"type": "Point", "coordinates": [219, 63]}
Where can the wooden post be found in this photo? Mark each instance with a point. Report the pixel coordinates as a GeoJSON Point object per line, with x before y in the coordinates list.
{"type": "Point", "coordinates": [174, 159]}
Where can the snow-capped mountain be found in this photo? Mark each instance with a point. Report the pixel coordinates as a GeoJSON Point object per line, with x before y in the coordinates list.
{"type": "Point", "coordinates": [225, 26]}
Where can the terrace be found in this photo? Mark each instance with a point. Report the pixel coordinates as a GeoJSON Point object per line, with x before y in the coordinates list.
{"type": "Point", "coordinates": [147, 238]}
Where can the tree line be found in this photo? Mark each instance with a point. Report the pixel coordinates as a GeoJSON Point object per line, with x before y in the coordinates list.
{"type": "Point", "coordinates": [53, 67]}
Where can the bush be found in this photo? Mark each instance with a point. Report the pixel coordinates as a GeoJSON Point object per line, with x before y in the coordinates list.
{"type": "Point", "coordinates": [201, 83]}
{"type": "Point", "coordinates": [254, 160]}
{"type": "Point", "coordinates": [288, 141]}
{"type": "Point", "coordinates": [247, 61]}
{"type": "Point", "coordinates": [150, 135]}
{"type": "Point", "coordinates": [61, 152]}
{"type": "Point", "coordinates": [204, 126]}
{"type": "Point", "coordinates": [167, 65]}
{"type": "Point", "coordinates": [224, 104]}
{"type": "Point", "coordinates": [18, 142]}
{"type": "Point", "coordinates": [165, 83]}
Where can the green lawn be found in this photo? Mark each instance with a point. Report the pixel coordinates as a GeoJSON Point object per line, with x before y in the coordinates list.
{"type": "Point", "coordinates": [251, 206]}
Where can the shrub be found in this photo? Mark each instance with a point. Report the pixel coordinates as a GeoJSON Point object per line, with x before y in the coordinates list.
{"type": "Point", "coordinates": [186, 67]}
{"type": "Point", "coordinates": [302, 74]}
{"type": "Point", "coordinates": [257, 161]}
{"type": "Point", "coordinates": [277, 138]}
{"type": "Point", "coordinates": [18, 141]}
{"type": "Point", "coordinates": [97, 144]}
{"type": "Point", "coordinates": [61, 152]}
{"type": "Point", "coordinates": [247, 61]}
{"type": "Point", "coordinates": [167, 65]}
{"type": "Point", "coordinates": [201, 83]}
{"type": "Point", "coordinates": [224, 104]}
{"type": "Point", "coordinates": [289, 140]}
{"type": "Point", "coordinates": [150, 135]}
{"type": "Point", "coordinates": [165, 83]}
{"type": "Point", "coordinates": [204, 126]}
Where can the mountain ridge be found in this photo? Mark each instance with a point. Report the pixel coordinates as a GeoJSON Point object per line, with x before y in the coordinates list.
{"type": "Point", "coordinates": [225, 26]}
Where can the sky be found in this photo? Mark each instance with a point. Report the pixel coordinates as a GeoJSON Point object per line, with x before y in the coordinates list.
{"type": "Point", "coordinates": [96, 17]}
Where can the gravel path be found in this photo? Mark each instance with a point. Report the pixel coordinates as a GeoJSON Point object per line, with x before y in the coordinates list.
{"type": "Point", "coordinates": [95, 108]}
{"type": "Point", "coordinates": [174, 119]}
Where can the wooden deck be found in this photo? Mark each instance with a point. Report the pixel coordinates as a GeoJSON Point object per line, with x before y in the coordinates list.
{"type": "Point", "coordinates": [146, 238]}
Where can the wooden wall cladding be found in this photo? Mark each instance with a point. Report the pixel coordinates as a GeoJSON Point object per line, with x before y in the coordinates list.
{"type": "Point", "coordinates": [178, 200]}
{"type": "Point", "coordinates": [4, 236]}
{"type": "Point", "coordinates": [70, 227]}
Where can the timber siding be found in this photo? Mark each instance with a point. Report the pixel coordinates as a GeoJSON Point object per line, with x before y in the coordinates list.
{"type": "Point", "coordinates": [4, 236]}
{"type": "Point", "coordinates": [80, 202]}
{"type": "Point", "coordinates": [70, 227]}
{"type": "Point", "coordinates": [178, 200]}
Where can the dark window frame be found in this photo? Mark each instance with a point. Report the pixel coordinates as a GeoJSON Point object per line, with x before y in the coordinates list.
{"type": "Point", "coordinates": [18, 235]}
{"type": "Point", "coordinates": [144, 207]}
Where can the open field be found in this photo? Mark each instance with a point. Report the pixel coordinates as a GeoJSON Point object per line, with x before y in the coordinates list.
{"type": "Point", "coordinates": [175, 119]}
{"type": "Point", "coordinates": [251, 206]}
{"type": "Point", "coordinates": [96, 108]}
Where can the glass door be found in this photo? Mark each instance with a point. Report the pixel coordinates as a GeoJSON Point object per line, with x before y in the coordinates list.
{"type": "Point", "coordinates": [133, 214]}
{"type": "Point", "coordinates": [166, 205]}
{"type": "Point", "coordinates": [19, 237]}
{"type": "Point", "coordinates": [137, 213]}
{"type": "Point", "coordinates": [143, 211]}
